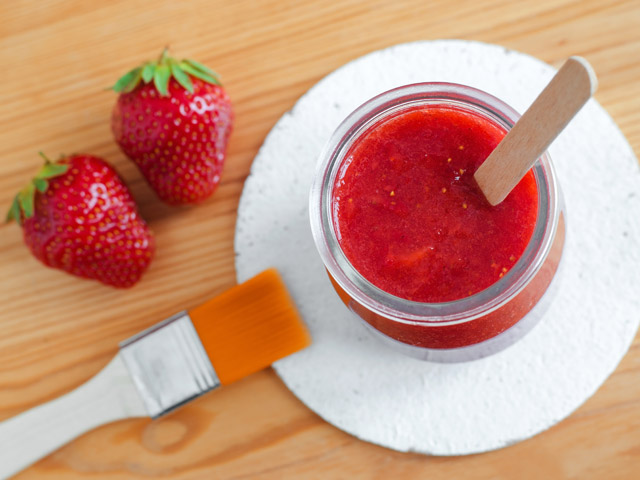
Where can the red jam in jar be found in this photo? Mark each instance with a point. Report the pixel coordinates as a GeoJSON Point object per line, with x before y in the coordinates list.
{"type": "Point", "coordinates": [410, 217]}
{"type": "Point", "coordinates": [411, 245]}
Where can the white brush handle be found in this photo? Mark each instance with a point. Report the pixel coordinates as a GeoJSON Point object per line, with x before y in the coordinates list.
{"type": "Point", "coordinates": [32, 435]}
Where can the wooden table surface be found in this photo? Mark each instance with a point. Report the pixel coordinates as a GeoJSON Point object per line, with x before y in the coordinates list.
{"type": "Point", "coordinates": [56, 331]}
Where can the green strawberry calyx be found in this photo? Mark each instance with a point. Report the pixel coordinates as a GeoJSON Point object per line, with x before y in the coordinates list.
{"type": "Point", "coordinates": [22, 205]}
{"type": "Point", "coordinates": [160, 71]}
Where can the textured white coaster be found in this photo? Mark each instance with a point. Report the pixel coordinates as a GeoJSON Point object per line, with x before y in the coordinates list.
{"type": "Point", "coordinates": [361, 386]}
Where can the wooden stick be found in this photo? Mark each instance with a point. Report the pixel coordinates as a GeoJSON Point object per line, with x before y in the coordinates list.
{"type": "Point", "coordinates": [558, 103]}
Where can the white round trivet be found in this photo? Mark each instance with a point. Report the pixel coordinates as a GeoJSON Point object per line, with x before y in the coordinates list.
{"type": "Point", "coordinates": [360, 385]}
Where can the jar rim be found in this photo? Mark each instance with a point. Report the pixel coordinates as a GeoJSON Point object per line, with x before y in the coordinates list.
{"type": "Point", "coordinates": [366, 293]}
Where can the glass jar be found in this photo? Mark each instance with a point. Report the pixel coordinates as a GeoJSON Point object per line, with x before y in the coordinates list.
{"type": "Point", "coordinates": [464, 329]}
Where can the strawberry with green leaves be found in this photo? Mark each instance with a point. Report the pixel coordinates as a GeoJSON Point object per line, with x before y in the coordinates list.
{"type": "Point", "coordinates": [173, 119]}
{"type": "Point", "coordinates": [78, 216]}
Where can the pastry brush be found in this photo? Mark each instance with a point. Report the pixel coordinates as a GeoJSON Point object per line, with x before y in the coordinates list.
{"type": "Point", "coordinates": [235, 334]}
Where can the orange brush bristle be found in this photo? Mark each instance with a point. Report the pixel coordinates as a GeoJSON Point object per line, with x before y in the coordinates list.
{"type": "Point", "coordinates": [249, 327]}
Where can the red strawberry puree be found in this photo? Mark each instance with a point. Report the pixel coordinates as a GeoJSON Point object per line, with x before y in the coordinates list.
{"type": "Point", "coordinates": [409, 216]}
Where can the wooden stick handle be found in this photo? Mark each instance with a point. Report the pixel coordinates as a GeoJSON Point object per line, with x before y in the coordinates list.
{"type": "Point", "coordinates": [30, 436]}
{"type": "Point", "coordinates": [558, 103]}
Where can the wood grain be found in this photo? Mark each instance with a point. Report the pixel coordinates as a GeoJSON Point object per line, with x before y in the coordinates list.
{"type": "Point", "coordinates": [57, 331]}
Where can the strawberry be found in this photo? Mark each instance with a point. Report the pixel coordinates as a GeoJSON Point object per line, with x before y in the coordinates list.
{"type": "Point", "coordinates": [78, 216]}
{"type": "Point", "coordinates": [173, 119]}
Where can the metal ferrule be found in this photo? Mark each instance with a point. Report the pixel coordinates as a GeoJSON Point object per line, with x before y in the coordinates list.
{"type": "Point", "coordinates": [168, 364]}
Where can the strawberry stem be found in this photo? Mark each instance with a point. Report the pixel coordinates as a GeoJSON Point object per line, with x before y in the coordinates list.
{"type": "Point", "coordinates": [46, 159]}
{"type": "Point", "coordinates": [164, 55]}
